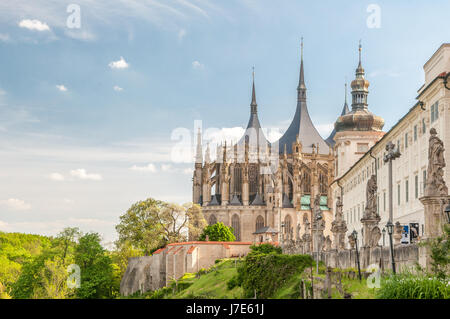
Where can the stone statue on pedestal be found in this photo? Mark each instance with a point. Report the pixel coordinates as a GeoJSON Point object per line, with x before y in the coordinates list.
{"type": "Point", "coordinates": [371, 232]}
{"type": "Point", "coordinates": [339, 226]}
{"type": "Point", "coordinates": [435, 184]}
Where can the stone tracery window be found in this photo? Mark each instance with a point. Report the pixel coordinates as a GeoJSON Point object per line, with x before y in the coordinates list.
{"type": "Point", "coordinates": [212, 219]}
{"type": "Point", "coordinates": [235, 223]}
{"type": "Point", "coordinates": [287, 224]}
{"type": "Point", "coordinates": [237, 179]}
{"type": "Point", "coordinates": [253, 178]}
{"type": "Point", "coordinates": [306, 182]}
{"type": "Point", "coordinates": [259, 222]}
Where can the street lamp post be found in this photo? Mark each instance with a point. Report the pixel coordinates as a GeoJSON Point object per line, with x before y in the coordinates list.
{"type": "Point", "coordinates": [355, 237]}
{"type": "Point", "coordinates": [391, 155]}
{"type": "Point", "coordinates": [390, 229]}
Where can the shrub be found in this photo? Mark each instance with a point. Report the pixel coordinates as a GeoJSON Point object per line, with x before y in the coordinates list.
{"type": "Point", "coordinates": [409, 286]}
{"type": "Point", "coordinates": [233, 282]}
{"type": "Point", "coordinates": [265, 249]}
{"type": "Point", "coordinates": [217, 232]}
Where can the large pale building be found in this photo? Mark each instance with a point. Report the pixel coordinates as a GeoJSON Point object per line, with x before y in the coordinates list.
{"type": "Point", "coordinates": [254, 184]}
{"type": "Point", "coordinates": [410, 134]}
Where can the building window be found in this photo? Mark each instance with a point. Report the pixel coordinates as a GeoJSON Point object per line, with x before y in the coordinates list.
{"type": "Point", "coordinates": [415, 133]}
{"type": "Point", "coordinates": [398, 194]}
{"type": "Point", "coordinates": [235, 223]}
{"type": "Point", "coordinates": [406, 140]}
{"type": "Point", "coordinates": [398, 144]}
{"type": "Point", "coordinates": [259, 222]}
{"type": "Point", "coordinates": [212, 220]}
{"type": "Point", "coordinates": [406, 190]}
{"type": "Point", "coordinates": [424, 173]}
{"type": "Point", "coordinates": [424, 126]}
{"type": "Point", "coordinates": [434, 112]}
{"type": "Point", "coordinates": [416, 186]}
{"type": "Point", "coordinates": [287, 224]}
{"type": "Point", "coordinates": [384, 201]}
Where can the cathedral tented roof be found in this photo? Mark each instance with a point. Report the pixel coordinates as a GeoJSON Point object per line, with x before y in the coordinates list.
{"type": "Point", "coordinates": [302, 125]}
{"type": "Point", "coordinates": [254, 133]}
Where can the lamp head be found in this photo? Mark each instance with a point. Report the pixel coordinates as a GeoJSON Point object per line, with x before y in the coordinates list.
{"type": "Point", "coordinates": [390, 228]}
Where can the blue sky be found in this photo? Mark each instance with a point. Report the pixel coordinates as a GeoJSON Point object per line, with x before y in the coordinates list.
{"type": "Point", "coordinates": [87, 114]}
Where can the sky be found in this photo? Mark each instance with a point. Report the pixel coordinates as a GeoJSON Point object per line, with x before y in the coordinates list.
{"type": "Point", "coordinates": [99, 100]}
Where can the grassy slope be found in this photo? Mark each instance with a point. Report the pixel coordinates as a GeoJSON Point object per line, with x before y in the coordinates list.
{"type": "Point", "coordinates": [214, 285]}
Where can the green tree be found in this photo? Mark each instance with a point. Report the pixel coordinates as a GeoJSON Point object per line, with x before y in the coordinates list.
{"type": "Point", "coordinates": [67, 239]}
{"type": "Point", "coordinates": [52, 281]}
{"type": "Point", "coordinates": [97, 273]}
{"type": "Point", "coordinates": [218, 232]}
{"type": "Point", "coordinates": [151, 223]}
{"type": "Point", "coordinates": [31, 276]}
{"type": "Point", "coordinates": [440, 254]}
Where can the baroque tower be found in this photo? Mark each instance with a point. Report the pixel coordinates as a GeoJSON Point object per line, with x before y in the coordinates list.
{"type": "Point", "coordinates": [358, 130]}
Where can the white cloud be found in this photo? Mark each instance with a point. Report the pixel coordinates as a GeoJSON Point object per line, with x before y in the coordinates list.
{"type": "Point", "coordinates": [2, 92]}
{"type": "Point", "coordinates": [119, 64]}
{"type": "Point", "coordinates": [56, 177]}
{"type": "Point", "coordinates": [61, 87]}
{"type": "Point", "coordinates": [197, 65]}
{"type": "Point", "coordinates": [82, 174]}
{"type": "Point", "coordinates": [34, 25]}
{"type": "Point", "coordinates": [148, 168]}
{"type": "Point", "coordinates": [188, 171]}
{"type": "Point", "coordinates": [166, 167]}
{"type": "Point", "coordinates": [68, 201]}
{"type": "Point", "coordinates": [325, 129]}
{"type": "Point", "coordinates": [117, 88]}
{"type": "Point", "coordinates": [15, 204]}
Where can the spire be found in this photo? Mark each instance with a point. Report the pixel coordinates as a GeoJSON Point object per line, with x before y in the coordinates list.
{"type": "Point", "coordinates": [253, 104]}
{"type": "Point", "coordinates": [360, 70]}
{"type": "Point", "coordinates": [359, 87]}
{"type": "Point", "coordinates": [345, 109]}
{"type": "Point", "coordinates": [199, 153]}
{"type": "Point", "coordinates": [301, 124]}
{"type": "Point", "coordinates": [301, 81]}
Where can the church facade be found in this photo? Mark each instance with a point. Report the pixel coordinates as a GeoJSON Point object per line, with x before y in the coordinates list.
{"type": "Point", "coordinates": [254, 185]}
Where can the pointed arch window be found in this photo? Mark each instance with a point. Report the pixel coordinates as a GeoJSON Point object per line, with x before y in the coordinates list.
{"type": "Point", "coordinates": [259, 222]}
{"type": "Point", "coordinates": [236, 224]}
{"type": "Point", "coordinates": [306, 182]}
{"type": "Point", "coordinates": [212, 219]}
{"type": "Point", "coordinates": [287, 224]}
